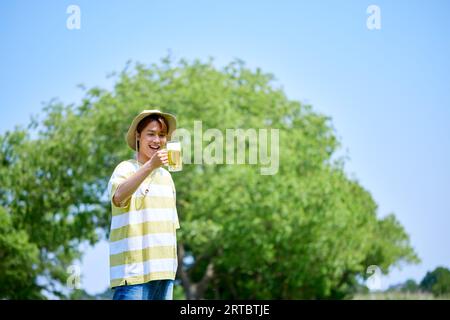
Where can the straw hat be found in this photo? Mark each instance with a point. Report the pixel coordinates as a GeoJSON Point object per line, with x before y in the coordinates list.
{"type": "Point", "coordinates": [131, 134]}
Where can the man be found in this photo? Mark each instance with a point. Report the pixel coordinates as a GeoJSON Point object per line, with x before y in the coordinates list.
{"type": "Point", "coordinates": [143, 257]}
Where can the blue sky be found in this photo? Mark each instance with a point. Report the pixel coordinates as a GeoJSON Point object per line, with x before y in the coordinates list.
{"type": "Point", "coordinates": [387, 90]}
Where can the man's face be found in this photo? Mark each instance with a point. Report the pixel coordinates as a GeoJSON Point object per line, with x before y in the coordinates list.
{"type": "Point", "coordinates": [151, 139]}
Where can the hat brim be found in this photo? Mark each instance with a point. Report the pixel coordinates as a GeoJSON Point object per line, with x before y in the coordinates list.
{"type": "Point", "coordinates": [131, 134]}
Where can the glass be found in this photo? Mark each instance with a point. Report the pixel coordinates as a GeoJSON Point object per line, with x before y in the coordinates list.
{"type": "Point", "coordinates": [174, 156]}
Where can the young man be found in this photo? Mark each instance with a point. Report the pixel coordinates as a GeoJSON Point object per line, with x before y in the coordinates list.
{"type": "Point", "coordinates": [143, 257]}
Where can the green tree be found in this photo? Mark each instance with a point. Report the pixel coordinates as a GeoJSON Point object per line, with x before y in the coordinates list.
{"type": "Point", "coordinates": [18, 259]}
{"type": "Point", "coordinates": [52, 195]}
{"type": "Point", "coordinates": [410, 286]}
{"type": "Point", "coordinates": [307, 231]}
{"type": "Point", "coordinates": [437, 281]}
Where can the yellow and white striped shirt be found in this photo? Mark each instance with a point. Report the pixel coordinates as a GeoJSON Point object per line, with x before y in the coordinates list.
{"type": "Point", "coordinates": [142, 242]}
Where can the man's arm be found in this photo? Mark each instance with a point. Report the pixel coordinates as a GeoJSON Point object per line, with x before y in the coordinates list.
{"type": "Point", "coordinates": [130, 185]}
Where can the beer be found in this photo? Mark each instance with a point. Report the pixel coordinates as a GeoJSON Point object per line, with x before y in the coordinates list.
{"type": "Point", "coordinates": [174, 155]}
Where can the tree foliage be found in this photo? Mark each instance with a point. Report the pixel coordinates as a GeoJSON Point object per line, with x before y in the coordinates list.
{"type": "Point", "coordinates": [437, 282]}
{"type": "Point", "coordinates": [306, 232]}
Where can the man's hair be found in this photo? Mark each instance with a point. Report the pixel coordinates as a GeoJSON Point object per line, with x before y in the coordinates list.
{"type": "Point", "coordinates": [153, 117]}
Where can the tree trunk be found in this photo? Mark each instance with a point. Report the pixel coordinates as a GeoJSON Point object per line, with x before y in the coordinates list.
{"type": "Point", "coordinates": [194, 291]}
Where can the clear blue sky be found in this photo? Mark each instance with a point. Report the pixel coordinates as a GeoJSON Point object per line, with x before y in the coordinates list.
{"type": "Point", "coordinates": [387, 90]}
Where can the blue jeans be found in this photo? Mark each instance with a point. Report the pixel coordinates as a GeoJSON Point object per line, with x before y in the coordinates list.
{"type": "Point", "coordinates": [152, 290]}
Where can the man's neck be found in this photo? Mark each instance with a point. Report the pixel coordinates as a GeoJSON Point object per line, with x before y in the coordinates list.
{"type": "Point", "coordinates": [142, 158]}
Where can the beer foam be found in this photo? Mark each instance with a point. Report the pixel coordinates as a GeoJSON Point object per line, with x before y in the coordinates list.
{"type": "Point", "coordinates": [173, 146]}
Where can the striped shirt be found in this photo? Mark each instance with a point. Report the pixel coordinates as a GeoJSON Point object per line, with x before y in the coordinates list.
{"type": "Point", "coordinates": [142, 242]}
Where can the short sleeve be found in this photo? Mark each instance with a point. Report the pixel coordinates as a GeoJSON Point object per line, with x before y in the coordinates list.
{"type": "Point", "coordinates": [175, 213]}
{"type": "Point", "coordinates": [124, 170]}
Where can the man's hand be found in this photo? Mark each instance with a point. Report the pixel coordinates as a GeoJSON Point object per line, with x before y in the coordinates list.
{"type": "Point", "coordinates": [159, 159]}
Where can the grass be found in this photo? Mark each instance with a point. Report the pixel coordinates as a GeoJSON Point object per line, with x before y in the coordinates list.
{"type": "Point", "coordinates": [399, 296]}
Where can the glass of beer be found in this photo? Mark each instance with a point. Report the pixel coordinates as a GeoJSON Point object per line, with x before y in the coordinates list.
{"type": "Point", "coordinates": [174, 155]}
